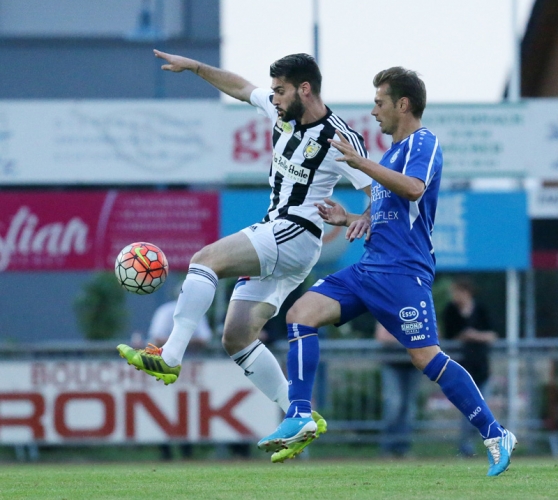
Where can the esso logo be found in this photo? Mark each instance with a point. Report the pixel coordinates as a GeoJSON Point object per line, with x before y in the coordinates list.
{"type": "Point", "coordinates": [408, 314]}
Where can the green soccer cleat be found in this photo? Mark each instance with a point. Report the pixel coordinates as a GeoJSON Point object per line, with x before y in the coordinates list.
{"type": "Point", "coordinates": [150, 361]}
{"type": "Point", "coordinates": [296, 449]}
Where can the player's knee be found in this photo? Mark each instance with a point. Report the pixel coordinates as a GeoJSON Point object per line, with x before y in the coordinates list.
{"type": "Point", "coordinates": [201, 257]}
{"type": "Point", "coordinates": [231, 346]}
{"type": "Point", "coordinates": [314, 310]}
{"type": "Point", "coordinates": [233, 342]}
{"type": "Point", "coordinates": [230, 343]}
{"type": "Point", "coordinates": [303, 315]}
{"type": "Point", "coordinates": [296, 314]}
{"type": "Point", "coordinates": [436, 366]}
{"type": "Point", "coordinates": [208, 257]}
{"type": "Point", "coordinates": [422, 356]}
{"type": "Point", "coordinates": [225, 342]}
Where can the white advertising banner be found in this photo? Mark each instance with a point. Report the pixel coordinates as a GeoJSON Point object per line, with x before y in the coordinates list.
{"type": "Point", "coordinates": [543, 202]}
{"type": "Point", "coordinates": [108, 401]}
{"type": "Point", "coordinates": [191, 141]}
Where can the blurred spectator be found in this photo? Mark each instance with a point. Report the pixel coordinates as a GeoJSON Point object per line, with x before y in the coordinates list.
{"type": "Point", "coordinates": [467, 320]}
{"type": "Point", "coordinates": [400, 385]}
{"type": "Point", "coordinates": [162, 323]}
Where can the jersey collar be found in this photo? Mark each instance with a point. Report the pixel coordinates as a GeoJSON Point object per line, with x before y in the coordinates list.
{"type": "Point", "coordinates": [406, 138]}
{"type": "Point", "coordinates": [299, 126]}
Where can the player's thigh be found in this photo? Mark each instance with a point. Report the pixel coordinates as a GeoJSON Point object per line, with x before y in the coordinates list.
{"type": "Point", "coordinates": [332, 300]}
{"type": "Point", "coordinates": [230, 256]}
{"type": "Point", "coordinates": [244, 322]}
{"type": "Point", "coordinates": [314, 310]}
{"type": "Point", "coordinates": [254, 302]}
{"type": "Point", "coordinates": [403, 304]}
{"type": "Point", "coordinates": [284, 248]}
{"type": "Point", "coordinates": [270, 290]}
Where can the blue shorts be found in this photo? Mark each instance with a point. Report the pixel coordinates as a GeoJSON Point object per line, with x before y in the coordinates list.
{"type": "Point", "coordinates": [402, 303]}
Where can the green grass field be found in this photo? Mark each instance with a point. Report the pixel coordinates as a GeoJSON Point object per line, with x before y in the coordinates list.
{"type": "Point", "coordinates": [316, 479]}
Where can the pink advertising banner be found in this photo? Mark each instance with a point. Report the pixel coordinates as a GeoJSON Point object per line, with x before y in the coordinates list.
{"type": "Point", "coordinates": [80, 230]}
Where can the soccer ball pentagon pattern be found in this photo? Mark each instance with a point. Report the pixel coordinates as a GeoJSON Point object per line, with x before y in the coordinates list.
{"type": "Point", "coordinates": [141, 268]}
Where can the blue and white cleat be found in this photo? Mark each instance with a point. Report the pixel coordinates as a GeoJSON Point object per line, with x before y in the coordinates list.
{"type": "Point", "coordinates": [291, 430]}
{"type": "Point", "coordinates": [499, 452]}
{"type": "Point", "coordinates": [295, 449]}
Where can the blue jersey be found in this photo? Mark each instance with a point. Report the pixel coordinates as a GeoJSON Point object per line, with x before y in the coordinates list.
{"type": "Point", "coordinates": [401, 229]}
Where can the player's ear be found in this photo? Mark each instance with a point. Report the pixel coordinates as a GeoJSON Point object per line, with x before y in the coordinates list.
{"type": "Point", "coordinates": [404, 104]}
{"type": "Point", "coordinates": [305, 88]}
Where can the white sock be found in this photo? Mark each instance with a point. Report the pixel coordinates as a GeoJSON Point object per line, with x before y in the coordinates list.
{"type": "Point", "coordinates": [263, 370]}
{"type": "Point", "coordinates": [197, 295]}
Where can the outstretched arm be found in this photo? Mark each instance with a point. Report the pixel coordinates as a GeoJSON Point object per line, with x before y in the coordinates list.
{"type": "Point", "coordinates": [406, 186]}
{"type": "Point", "coordinates": [227, 82]}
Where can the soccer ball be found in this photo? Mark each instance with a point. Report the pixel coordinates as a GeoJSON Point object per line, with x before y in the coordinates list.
{"type": "Point", "coordinates": [141, 268]}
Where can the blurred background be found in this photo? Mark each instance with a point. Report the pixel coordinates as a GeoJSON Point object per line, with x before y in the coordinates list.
{"type": "Point", "coordinates": [100, 148]}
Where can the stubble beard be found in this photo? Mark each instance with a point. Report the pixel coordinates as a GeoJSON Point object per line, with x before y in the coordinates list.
{"type": "Point", "coordinates": [295, 110]}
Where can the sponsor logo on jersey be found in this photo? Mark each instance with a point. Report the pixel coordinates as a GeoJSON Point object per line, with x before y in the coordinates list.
{"type": "Point", "coordinates": [253, 227]}
{"type": "Point", "coordinates": [311, 149]}
{"type": "Point", "coordinates": [382, 216]}
{"type": "Point", "coordinates": [379, 192]}
{"type": "Point", "coordinates": [290, 170]}
{"type": "Point", "coordinates": [298, 134]}
{"type": "Point", "coordinates": [413, 328]}
{"type": "Point", "coordinates": [394, 156]}
{"type": "Point", "coordinates": [418, 337]}
{"type": "Point", "coordinates": [408, 314]}
{"type": "Point", "coordinates": [284, 126]}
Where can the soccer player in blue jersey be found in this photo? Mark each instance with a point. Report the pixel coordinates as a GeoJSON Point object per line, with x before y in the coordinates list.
{"type": "Point", "coordinates": [393, 279]}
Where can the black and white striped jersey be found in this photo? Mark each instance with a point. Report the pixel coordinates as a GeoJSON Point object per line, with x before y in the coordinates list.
{"type": "Point", "coordinates": [303, 168]}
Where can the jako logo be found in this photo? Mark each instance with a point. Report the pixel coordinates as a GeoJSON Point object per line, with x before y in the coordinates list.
{"type": "Point", "coordinates": [475, 413]}
{"type": "Point", "coordinates": [417, 337]}
{"type": "Point", "coordinates": [408, 314]}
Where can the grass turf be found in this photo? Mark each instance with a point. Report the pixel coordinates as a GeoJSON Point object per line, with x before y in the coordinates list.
{"type": "Point", "coordinates": [297, 479]}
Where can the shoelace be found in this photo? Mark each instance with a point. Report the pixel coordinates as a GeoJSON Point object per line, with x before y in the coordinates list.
{"type": "Point", "coordinates": [494, 449]}
{"type": "Point", "coordinates": [153, 350]}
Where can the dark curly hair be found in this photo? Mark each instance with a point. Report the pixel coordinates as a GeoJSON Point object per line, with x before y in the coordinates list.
{"type": "Point", "coordinates": [297, 69]}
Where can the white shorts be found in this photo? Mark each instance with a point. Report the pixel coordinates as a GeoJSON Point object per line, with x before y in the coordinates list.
{"type": "Point", "coordinates": [287, 254]}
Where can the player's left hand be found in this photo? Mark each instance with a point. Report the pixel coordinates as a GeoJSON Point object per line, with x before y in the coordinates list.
{"type": "Point", "coordinates": [176, 63]}
{"type": "Point", "coordinates": [350, 155]}
{"type": "Point", "coordinates": [332, 213]}
{"type": "Point", "coordinates": [358, 229]}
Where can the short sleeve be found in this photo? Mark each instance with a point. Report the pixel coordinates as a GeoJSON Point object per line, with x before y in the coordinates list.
{"type": "Point", "coordinates": [261, 99]}
{"type": "Point", "coordinates": [421, 155]}
{"type": "Point", "coordinates": [356, 177]}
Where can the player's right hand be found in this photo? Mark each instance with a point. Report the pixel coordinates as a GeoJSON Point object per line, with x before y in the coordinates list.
{"type": "Point", "coordinates": [176, 63]}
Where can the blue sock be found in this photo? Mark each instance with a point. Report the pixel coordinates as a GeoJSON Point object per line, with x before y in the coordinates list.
{"type": "Point", "coordinates": [302, 364]}
{"type": "Point", "coordinates": [459, 388]}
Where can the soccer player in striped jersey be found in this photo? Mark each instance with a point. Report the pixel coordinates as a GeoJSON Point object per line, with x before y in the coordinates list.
{"type": "Point", "coordinates": [394, 277]}
{"type": "Point", "coordinates": [275, 255]}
